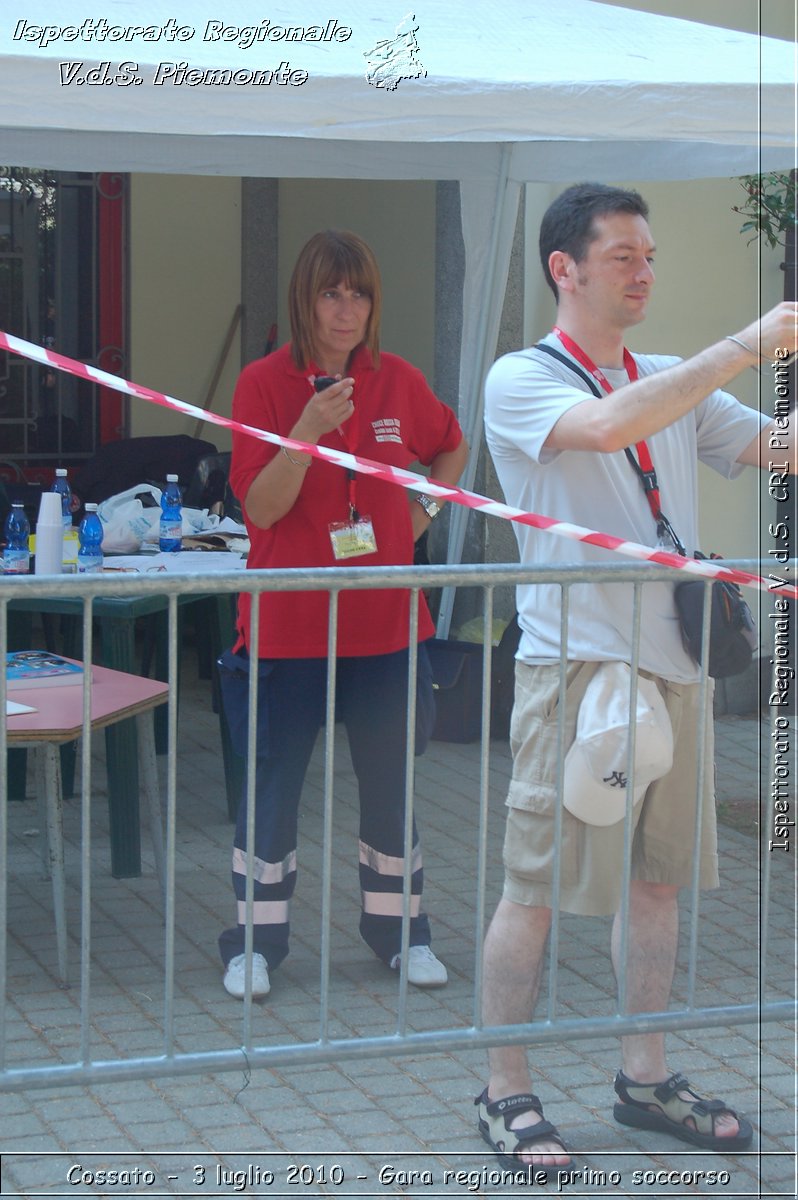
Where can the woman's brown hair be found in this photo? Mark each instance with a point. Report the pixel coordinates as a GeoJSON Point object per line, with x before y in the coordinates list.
{"type": "Point", "coordinates": [327, 259]}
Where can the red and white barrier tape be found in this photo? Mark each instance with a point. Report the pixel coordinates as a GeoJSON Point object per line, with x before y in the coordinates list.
{"type": "Point", "coordinates": [712, 569]}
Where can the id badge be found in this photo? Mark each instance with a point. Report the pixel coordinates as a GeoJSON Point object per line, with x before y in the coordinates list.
{"type": "Point", "coordinates": [350, 539]}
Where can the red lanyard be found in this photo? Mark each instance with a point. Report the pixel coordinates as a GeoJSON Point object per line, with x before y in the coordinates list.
{"type": "Point", "coordinates": [644, 466]}
{"type": "Point", "coordinates": [349, 434]}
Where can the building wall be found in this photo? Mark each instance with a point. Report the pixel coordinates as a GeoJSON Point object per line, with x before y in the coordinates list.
{"type": "Point", "coordinates": [397, 219]}
{"type": "Point", "coordinates": [773, 18]}
{"type": "Point", "coordinates": [185, 277]}
{"type": "Point", "coordinates": [185, 284]}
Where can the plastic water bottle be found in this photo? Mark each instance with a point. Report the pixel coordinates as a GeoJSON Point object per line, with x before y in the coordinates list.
{"type": "Point", "coordinates": [171, 531]}
{"type": "Point", "coordinates": [61, 485]}
{"type": "Point", "coordinates": [90, 536]}
{"type": "Point", "coordinates": [16, 556]}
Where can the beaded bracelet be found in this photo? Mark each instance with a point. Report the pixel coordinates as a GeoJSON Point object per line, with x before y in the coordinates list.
{"type": "Point", "coordinates": [296, 461]}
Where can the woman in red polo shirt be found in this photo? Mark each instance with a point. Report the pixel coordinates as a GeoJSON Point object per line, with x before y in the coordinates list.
{"type": "Point", "coordinates": [304, 512]}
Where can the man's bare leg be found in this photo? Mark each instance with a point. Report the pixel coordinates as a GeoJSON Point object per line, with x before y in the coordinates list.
{"type": "Point", "coordinates": [513, 957]}
{"type": "Point", "coordinates": [651, 961]}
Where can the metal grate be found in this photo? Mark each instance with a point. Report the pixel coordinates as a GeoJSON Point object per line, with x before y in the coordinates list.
{"type": "Point", "coordinates": [55, 263]}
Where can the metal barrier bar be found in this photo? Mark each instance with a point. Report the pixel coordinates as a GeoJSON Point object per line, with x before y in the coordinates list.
{"type": "Point", "coordinates": [484, 785]}
{"type": "Point", "coordinates": [86, 843]}
{"type": "Point", "coordinates": [702, 766]}
{"type": "Point", "coordinates": [358, 1049]}
{"type": "Point", "coordinates": [3, 846]}
{"type": "Point", "coordinates": [252, 754]}
{"type": "Point", "coordinates": [329, 812]}
{"type": "Point", "coordinates": [551, 1029]}
{"type": "Point", "coordinates": [171, 839]}
{"type": "Point", "coordinates": [409, 799]}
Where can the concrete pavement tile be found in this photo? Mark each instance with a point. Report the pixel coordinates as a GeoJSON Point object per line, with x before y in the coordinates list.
{"type": "Point", "coordinates": [363, 997]}
{"type": "Point", "coordinates": [151, 1136]}
{"type": "Point", "coordinates": [394, 1085]}
{"type": "Point", "coordinates": [92, 1134]}
{"type": "Point", "coordinates": [781, 1087]}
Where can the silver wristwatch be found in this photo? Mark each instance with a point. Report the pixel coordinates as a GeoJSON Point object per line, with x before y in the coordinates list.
{"type": "Point", "coordinates": [430, 506]}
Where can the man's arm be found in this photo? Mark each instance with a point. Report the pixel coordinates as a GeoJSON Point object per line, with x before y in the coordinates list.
{"type": "Point", "coordinates": [632, 413]}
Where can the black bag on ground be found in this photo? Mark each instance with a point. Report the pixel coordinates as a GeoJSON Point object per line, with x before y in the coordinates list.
{"type": "Point", "coordinates": [732, 630]}
{"type": "Point", "coordinates": [457, 682]}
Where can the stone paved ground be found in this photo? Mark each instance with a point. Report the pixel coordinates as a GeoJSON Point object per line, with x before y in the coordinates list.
{"type": "Point", "coordinates": [412, 1112]}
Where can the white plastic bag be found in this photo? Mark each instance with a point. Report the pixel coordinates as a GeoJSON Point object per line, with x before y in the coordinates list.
{"type": "Point", "coordinates": [127, 522]}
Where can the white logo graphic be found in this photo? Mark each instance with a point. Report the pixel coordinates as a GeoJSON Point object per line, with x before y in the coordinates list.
{"type": "Point", "coordinates": [387, 430]}
{"type": "Point", "coordinates": [393, 59]}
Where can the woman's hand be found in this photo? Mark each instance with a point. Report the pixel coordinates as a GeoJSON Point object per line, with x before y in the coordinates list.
{"type": "Point", "coordinates": [325, 411]}
{"type": "Point", "coordinates": [445, 468]}
{"type": "Point", "coordinates": [274, 491]}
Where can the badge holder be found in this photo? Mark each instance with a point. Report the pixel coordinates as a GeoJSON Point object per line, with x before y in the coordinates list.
{"type": "Point", "coordinates": [353, 538]}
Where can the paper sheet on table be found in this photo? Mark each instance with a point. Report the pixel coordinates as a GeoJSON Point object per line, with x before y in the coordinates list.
{"type": "Point", "coordinates": [15, 709]}
{"type": "Point", "coordinates": [185, 562]}
{"type": "Point", "coordinates": [226, 535]}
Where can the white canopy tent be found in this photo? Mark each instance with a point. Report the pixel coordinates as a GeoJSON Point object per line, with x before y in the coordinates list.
{"type": "Point", "coordinates": [495, 95]}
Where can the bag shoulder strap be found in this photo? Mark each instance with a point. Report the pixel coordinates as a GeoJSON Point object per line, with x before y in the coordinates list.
{"type": "Point", "coordinates": [568, 362]}
{"type": "Point", "coordinates": [647, 475]}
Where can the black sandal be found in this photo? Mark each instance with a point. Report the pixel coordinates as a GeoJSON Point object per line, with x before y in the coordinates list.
{"type": "Point", "coordinates": [494, 1125]}
{"type": "Point", "coordinates": [661, 1108]}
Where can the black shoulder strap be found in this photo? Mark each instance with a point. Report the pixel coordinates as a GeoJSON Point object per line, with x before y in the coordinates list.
{"type": "Point", "coordinates": [648, 480]}
{"type": "Point", "coordinates": [547, 349]}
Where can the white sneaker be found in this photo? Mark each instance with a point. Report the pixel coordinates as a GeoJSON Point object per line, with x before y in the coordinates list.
{"type": "Point", "coordinates": [423, 968]}
{"type": "Point", "coordinates": [234, 976]}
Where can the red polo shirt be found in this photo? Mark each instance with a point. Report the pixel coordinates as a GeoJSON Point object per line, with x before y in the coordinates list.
{"type": "Point", "coordinates": [399, 421]}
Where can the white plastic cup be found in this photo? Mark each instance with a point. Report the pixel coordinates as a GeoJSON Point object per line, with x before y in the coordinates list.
{"type": "Point", "coordinates": [50, 535]}
{"type": "Point", "coordinates": [50, 509]}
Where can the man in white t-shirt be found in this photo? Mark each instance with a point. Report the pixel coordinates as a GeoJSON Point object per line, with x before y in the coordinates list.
{"type": "Point", "coordinates": [559, 449]}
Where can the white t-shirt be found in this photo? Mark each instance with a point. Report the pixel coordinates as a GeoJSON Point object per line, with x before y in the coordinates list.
{"type": "Point", "coordinates": [525, 394]}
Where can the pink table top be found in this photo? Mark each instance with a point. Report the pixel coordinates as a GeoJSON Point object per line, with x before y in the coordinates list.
{"type": "Point", "coordinates": [115, 696]}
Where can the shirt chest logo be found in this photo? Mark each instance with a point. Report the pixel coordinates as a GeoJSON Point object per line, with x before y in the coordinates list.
{"type": "Point", "coordinates": [387, 429]}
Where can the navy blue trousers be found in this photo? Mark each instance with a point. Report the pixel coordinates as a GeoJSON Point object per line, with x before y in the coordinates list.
{"type": "Point", "coordinates": [371, 700]}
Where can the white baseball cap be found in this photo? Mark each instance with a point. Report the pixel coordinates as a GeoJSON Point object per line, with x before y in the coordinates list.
{"type": "Point", "coordinates": [597, 764]}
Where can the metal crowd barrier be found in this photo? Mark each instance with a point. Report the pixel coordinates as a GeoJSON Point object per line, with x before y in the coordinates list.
{"type": "Point", "coordinates": [549, 1026]}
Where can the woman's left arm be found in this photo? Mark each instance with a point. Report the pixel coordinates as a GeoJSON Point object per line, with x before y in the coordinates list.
{"type": "Point", "coordinates": [446, 467]}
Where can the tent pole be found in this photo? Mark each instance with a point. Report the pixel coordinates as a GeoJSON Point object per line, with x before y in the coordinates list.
{"type": "Point", "coordinates": [477, 356]}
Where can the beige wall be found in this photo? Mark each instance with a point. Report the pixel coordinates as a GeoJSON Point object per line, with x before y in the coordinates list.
{"type": "Point", "coordinates": [397, 219]}
{"type": "Point", "coordinates": [774, 18]}
{"type": "Point", "coordinates": [185, 283]}
{"type": "Point", "coordinates": [185, 277]}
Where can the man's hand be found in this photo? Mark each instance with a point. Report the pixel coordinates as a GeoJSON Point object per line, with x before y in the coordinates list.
{"type": "Point", "coordinates": [776, 330]}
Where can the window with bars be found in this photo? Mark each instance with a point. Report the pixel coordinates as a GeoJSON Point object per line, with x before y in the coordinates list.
{"type": "Point", "coordinates": [62, 285]}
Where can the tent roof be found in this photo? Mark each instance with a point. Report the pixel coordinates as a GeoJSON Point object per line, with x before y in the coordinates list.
{"type": "Point", "coordinates": [642, 95]}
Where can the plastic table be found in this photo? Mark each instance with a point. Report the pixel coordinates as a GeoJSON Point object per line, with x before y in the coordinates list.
{"type": "Point", "coordinates": [58, 718]}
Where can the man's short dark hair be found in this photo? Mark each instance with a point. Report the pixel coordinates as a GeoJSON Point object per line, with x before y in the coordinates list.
{"type": "Point", "coordinates": [567, 224]}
